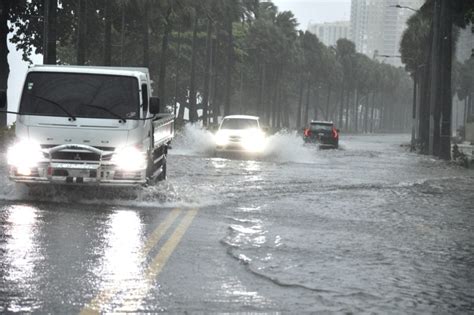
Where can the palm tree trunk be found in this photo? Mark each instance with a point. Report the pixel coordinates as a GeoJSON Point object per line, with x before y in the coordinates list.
{"type": "Point", "coordinates": [193, 116]}
{"type": "Point", "coordinates": [348, 99]}
{"type": "Point", "coordinates": [82, 32]}
{"type": "Point", "coordinates": [164, 58]}
{"type": "Point", "coordinates": [50, 12]}
{"type": "Point", "coordinates": [230, 66]}
{"type": "Point", "coordinates": [328, 100]}
{"type": "Point", "coordinates": [108, 34]}
{"type": "Point", "coordinates": [207, 73]}
{"type": "Point", "coordinates": [356, 112]}
{"type": "Point", "coordinates": [372, 112]}
{"type": "Point", "coordinates": [308, 95]}
{"type": "Point", "coordinates": [341, 107]}
{"type": "Point", "coordinates": [214, 80]}
{"type": "Point", "coordinates": [176, 80]}
{"type": "Point", "coordinates": [261, 90]}
{"type": "Point", "coordinates": [300, 103]}
{"type": "Point", "coordinates": [146, 36]}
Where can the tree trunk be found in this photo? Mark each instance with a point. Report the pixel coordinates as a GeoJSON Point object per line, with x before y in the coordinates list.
{"type": "Point", "coordinates": [230, 66]}
{"type": "Point", "coordinates": [366, 114]}
{"type": "Point", "coordinates": [49, 31]}
{"type": "Point", "coordinates": [316, 102]}
{"type": "Point", "coordinates": [176, 80]}
{"type": "Point", "coordinates": [341, 107]}
{"type": "Point", "coordinates": [308, 96]}
{"type": "Point", "coordinates": [207, 73]}
{"type": "Point", "coordinates": [108, 34]}
{"type": "Point", "coordinates": [82, 33]}
{"type": "Point", "coordinates": [300, 103]}
{"type": "Point", "coordinates": [328, 100]}
{"type": "Point", "coordinates": [356, 112]}
{"type": "Point", "coordinates": [193, 115]}
{"type": "Point", "coordinates": [4, 67]}
{"type": "Point", "coordinates": [261, 107]}
{"type": "Point", "coordinates": [348, 100]}
{"type": "Point", "coordinates": [146, 36]}
{"type": "Point", "coordinates": [214, 80]}
{"type": "Point", "coordinates": [372, 112]}
{"type": "Point", "coordinates": [164, 59]}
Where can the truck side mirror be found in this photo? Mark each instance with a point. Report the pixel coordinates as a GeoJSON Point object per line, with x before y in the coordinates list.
{"type": "Point", "coordinates": [154, 105]}
{"type": "Point", "coordinates": [3, 98]}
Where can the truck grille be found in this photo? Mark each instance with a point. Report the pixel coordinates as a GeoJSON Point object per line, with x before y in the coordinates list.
{"type": "Point", "coordinates": [78, 155]}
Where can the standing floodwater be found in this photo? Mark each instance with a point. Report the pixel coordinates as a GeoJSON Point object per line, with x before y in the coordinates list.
{"type": "Point", "coordinates": [366, 228]}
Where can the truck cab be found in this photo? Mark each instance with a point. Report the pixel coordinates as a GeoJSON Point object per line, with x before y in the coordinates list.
{"type": "Point", "coordinates": [89, 125]}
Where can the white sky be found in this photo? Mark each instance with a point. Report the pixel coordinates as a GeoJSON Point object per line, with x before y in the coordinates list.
{"type": "Point", "coordinates": [306, 11]}
{"type": "Point", "coordinates": [316, 11]}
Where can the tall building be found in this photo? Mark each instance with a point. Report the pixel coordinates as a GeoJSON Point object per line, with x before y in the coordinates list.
{"type": "Point", "coordinates": [329, 33]}
{"type": "Point", "coordinates": [465, 44]}
{"type": "Point", "coordinates": [377, 26]}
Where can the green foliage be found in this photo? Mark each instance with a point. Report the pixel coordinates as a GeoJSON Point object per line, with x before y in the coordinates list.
{"type": "Point", "coordinates": [271, 64]}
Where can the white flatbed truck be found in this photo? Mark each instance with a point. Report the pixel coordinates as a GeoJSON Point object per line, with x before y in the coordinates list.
{"type": "Point", "coordinates": [84, 125]}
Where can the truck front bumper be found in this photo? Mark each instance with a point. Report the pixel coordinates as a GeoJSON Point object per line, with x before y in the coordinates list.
{"type": "Point", "coordinates": [79, 174]}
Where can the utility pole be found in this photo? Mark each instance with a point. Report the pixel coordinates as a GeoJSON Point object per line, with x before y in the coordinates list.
{"type": "Point", "coordinates": [435, 76]}
{"type": "Point", "coordinates": [445, 80]}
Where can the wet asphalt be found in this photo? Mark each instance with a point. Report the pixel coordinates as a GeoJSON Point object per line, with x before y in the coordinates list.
{"type": "Point", "coordinates": [368, 228]}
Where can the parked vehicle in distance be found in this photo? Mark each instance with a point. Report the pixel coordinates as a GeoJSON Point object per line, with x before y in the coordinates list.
{"type": "Point", "coordinates": [89, 125]}
{"type": "Point", "coordinates": [240, 134]}
{"type": "Point", "coordinates": [323, 133]}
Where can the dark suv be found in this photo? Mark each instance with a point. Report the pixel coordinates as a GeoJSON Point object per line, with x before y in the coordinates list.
{"type": "Point", "coordinates": [322, 132]}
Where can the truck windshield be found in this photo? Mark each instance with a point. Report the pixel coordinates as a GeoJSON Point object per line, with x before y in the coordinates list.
{"type": "Point", "coordinates": [80, 95]}
{"type": "Point", "coordinates": [239, 123]}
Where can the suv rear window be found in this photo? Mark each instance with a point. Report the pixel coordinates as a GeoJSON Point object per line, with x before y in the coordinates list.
{"type": "Point", "coordinates": [321, 127]}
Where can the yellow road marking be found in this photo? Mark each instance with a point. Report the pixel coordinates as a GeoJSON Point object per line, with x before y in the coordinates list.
{"type": "Point", "coordinates": [104, 296]}
{"type": "Point", "coordinates": [158, 263]}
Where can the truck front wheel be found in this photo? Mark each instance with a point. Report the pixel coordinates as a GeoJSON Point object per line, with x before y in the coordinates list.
{"type": "Point", "coordinates": [162, 175]}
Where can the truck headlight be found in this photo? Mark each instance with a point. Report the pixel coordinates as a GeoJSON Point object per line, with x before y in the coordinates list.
{"type": "Point", "coordinates": [129, 159]}
{"type": "Point", "coordinates": [221, 139]}
{"type": "Point", "coordinates": [24, 155]}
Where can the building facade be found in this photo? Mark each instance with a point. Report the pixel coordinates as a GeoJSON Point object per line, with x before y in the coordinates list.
{"type": "Point", "coordinates": [329, 33]}
{"type": "Point", "coordinates": [378, 25]}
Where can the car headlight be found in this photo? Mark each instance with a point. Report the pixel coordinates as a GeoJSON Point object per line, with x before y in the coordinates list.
{"type": "Point", "coordinates": [129, 159]}
{"type": "Point", "coordinates": [24, 155]}
{"type": "Point", "coordinates": [221, 139]}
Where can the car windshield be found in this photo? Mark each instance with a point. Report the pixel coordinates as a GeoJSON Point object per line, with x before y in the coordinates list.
{"type": "Point", "coordinates": [321, 127]}
{"type": "Point", "coordinates": [239, 123]}
{"type": "Point", "coordinates": [80, 95]}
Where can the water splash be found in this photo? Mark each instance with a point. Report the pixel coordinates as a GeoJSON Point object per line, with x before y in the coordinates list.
{"type": "Point", "coordinates": [284, 146]}
{"type": "Point", "coordinates": [289, 146]}
{"type": "Point", "coordinates": [193, 140]}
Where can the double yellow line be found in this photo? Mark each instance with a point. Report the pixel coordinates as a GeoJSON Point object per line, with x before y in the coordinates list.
{"type": "Point", "coordinates": [155, 267]}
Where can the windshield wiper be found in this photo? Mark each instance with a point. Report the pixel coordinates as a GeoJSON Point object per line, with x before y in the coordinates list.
{"type": "Point", "coordinates": [71, 116]}
{"type": "Point", "coordinates": [107, 110]}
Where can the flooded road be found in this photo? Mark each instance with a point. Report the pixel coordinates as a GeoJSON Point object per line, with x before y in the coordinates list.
{"type": "Point", "coordinates": [367, 228]}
